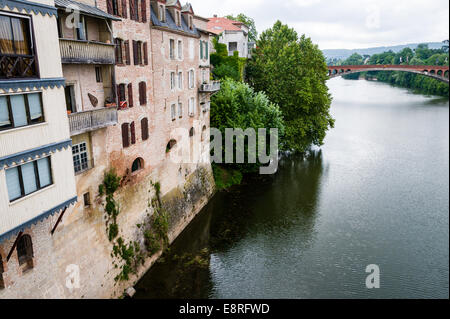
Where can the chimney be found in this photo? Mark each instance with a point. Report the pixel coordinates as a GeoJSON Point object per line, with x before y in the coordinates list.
{"type": "Point", "coordinates": [215, 16]}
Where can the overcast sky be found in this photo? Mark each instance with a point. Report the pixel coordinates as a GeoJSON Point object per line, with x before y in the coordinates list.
{"type": "Point", "coordinates": [346, 24]}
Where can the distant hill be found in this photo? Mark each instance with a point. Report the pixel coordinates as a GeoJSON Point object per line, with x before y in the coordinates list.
{"type": "Point", "coordinates": [344, 53]}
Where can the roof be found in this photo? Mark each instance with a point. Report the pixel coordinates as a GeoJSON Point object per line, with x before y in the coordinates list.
{"type": "Point", "coordinates": [187, 8]}
{"type": "Point", "coordinates": [85, 9]}
{"type": "Point", "coordinates": [170, 23]}
{"type": "Point", "coordinates": [218, 25]}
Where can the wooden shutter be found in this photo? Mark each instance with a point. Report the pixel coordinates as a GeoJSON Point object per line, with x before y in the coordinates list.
{"type": "Point", "coordinates": [132, 9]}
{"type": "Point", "coordinates": [109, 6]}
{"type": "Point", "coordinates": [126, 55]}
{"type": "Point", "coordinates": [133, 133]}
{"type": "Point", "coordinates": [130, 95]}
{"type": "Point", "coordinates": [145, 54]}
{"type": "Point", "coordinates": [206, 50]}
{"type": "Point", "coordinates": [201, 49]}
{"type": "Point", "coordinates": [124, 9]}
{"type": "Point", "coordinates": [125, 136]}
{"type": "Point", "coordinates": [144, 128]}
{"type": "Point", "coordinates": [135, 53]}
{"type": "Point", "coordinates": [142, 93]}
{"type": "Point", "coordinates": [143, 11]}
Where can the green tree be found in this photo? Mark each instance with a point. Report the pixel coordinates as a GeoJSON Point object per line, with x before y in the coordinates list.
{"type": "Point", "coordinates": [225, 66]}
{"type": "Point", "coordinates": [293, 73]}
{"type": "Point", "coordinates": [237, 105]}
{"type": "Point", "coordinates": [249, 22]}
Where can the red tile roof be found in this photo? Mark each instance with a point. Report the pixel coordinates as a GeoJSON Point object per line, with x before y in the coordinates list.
{"type": "Point", "coordinates": [218, 25]}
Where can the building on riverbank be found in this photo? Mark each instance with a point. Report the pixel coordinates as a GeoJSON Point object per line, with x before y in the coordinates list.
{"type": "Point", "coordinates": [36, 170]}
{"type": "Point", "coordinates": [124, 71]}
{"type": "Point", "coordinates": [232, 33]}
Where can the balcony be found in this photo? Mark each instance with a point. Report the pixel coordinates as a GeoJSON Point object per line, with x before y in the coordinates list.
{"type": "Point", "coordinates": [86, 52]}
{"type": "Point", "coordinates": [210, 87]}
{"type": "Point", "coordinates": [82, 122]}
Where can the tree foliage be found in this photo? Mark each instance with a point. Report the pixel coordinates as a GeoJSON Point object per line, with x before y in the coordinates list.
{"type": "Point", "coordinates": [249, 22]}
{"type": "Point", "coordinates": [225, 66]}
{"type": "Point", "coordinates": [237, 105]}
{"type": "Point", "coordinates": [293, 73]}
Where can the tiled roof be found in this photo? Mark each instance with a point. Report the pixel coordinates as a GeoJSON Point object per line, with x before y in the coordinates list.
{"type": "Point", "coordinates": [84, 8]}
{"type": "Point", "coordinates": [170, 23]}
{"type": "Point", "coordinates": [218, 25]}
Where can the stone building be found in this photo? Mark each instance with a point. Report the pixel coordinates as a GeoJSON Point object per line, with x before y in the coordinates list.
{"type": "Point", "coordinates": [137, 94]}
{"type": "Point", "coordinates": [232, 33]}
{"type": "Point", "coordinates": [37, 183]}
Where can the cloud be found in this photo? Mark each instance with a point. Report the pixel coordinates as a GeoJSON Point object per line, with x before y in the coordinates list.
{"type": "Point", "coordinates": [345, 23]}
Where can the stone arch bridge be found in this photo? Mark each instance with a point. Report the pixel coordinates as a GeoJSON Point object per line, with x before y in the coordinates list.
{"type": "Point", "coordinates": [433, 71]}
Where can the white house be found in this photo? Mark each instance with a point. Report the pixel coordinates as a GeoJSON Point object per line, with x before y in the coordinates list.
{"type": "Point", "coordinates": [232, 33]}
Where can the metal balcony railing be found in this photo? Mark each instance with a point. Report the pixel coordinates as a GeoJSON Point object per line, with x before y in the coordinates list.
{"type": "Point", "coordinates": [75, 51]}
{"type": "Point", "coordinates": [82, 122]}
{"type": "Point", "coordinates": [210, 87]}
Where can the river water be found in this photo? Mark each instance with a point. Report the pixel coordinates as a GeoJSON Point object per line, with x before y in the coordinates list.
{"type": "Point", "coordinates": [376, 193]}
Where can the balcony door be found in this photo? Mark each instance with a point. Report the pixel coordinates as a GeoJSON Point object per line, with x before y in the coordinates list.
{"type": "Point", "coordinates": [70, 99]}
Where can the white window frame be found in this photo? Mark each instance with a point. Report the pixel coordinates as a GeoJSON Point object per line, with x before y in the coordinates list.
{"type": "Point", "coordinates": [191, 79]}
{"type": "Point", "coordinates": [191, 106]}
{"type": "Point", "coordinates": [180, 110]}
{"type": "Point", "coordinates": [180, 49]}
{"type": "Point", "coordinates": [83, 167]}
{"type": "Point", "coordinates": [173, 113]}
{"type": "Point", "coordinates": [172, 80]}
{"type": "Point", "coordinates": [180, 80]}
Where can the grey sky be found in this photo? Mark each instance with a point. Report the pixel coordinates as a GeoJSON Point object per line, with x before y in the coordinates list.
{"type": "Point", "coordinates": [344, 24]}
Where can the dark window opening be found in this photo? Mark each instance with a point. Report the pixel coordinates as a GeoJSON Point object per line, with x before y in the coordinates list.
{"type": "Point", "coordinates": [191, 132]}
{"type": "Point", "coordinates": [232, 46]}
{"type": "Point", "coordinates": [98, 74]}
{"type": "Point", "coordinates": [70, 99]}
{"type": "Point", "coordinates": [138, 164]}
{"type": "Point", "coordinates": [119, 45]}
{"type": "Point", "coordinates": [25, 252]}
{"type": "Point", "coordinates": [87, 199]}
{"type": "Point", "coordinates": [170, 145]}
{"type": "Point", "coordinates": [144, 129]}
{"type": "Point", "coordinates": [82, 29]}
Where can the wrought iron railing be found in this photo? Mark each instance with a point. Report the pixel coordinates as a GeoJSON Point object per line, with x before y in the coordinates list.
{"type": "Point", "coordinates": [210, 87]}
{"type": "Point", "coordinates": [87, 121]}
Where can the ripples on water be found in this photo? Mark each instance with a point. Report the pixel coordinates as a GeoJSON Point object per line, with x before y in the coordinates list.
{"type": "Point", "coordinates": [377, 193]}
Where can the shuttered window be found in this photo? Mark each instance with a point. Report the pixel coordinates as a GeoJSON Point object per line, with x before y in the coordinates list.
{"type": "Point", "coordinates": [145, 53]}
{"type": "Point", "coordinates": [109, 6]}
{"type": "Point", "coordinates": [125, 135]}
{"type": "Point", "coordinates": [132, 133]}
{"type": "Point", "coordinates": [135, 53]}
{"type": "Point", "coordinates": [124, 9]}
{"type": "Point", "coordinates": [142, 93]}
{"type": "Point", "coordinates": [130, 95]}
{"type": "Point", "coordinates": [144, 129]}
{"type": "Point", "coordinates": [119, 52]}
{"type": "Point", "coordinates": [126, 46]}
{"type": "Point", "coordinates": [143, 11]}
{"type": "Point", "coordinates": [173, 113]}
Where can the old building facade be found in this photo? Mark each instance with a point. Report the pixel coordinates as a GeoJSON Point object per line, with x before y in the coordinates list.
{"type": "Point", "coordinates": [232, 33]}
{"type": "Point", "coordinates": [136, 95]}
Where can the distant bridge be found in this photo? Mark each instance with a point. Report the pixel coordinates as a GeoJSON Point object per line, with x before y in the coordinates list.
{"type": "Point", "coordinates": [433, 71]}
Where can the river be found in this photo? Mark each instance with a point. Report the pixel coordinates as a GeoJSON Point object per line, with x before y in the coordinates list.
{"type": "Point", "coordinates": [376, 193]}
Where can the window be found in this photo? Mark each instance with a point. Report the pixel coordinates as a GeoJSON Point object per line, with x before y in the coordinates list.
{"type": "Point", "coordinates": [232, 46]}
{"type": "Point", "coordinates": [98, 74]}
{"type": "Point", "coordinates": [173, 113]}
{"type": "Point", "coordinates": [191, 79]}
{"type": "Point", "coordinates": [130, 95]}
{"type": "Point", "coordinates": [69, 92]}
{"type": "Point", "coordinates": [172, 80]}
{"type": "Point", "coordinates": [142, 93]}
{"type": "Point", "coordinates": [191, 23]}
{"type": "Point", "coordinates": [191, 107]}
{"type": "Point", "coordinates": [170, 145]}
{"type": "Point", "coordinates": [178, 18]}
{"type": "Point", "coordinates": [180, 49]}
{"type": "Point", "coordinates": [87, 199]}
{"type": "Point", "coordinates": [180, 110]}
{"type": "Point", "coordinates": [191, 132]}
{"type": "Point", "coordinates": [16, 50]}
{"type": "Point", "coordinates": [80, 157]}
{"type": "Point", "coordinates": [126, 52]}
{"type": "Point", "coordinates": [172, 49]}
{"type": "Point", "coordinates": [119, 48]}
{"type": "Point", "coordinates": [161, 13]}
{"type": "Point", "coordinates": [121, 93]}
{"type": "Point", "coordinates": [138, 164]}
{"type": "Point", "coordinates": [82, 29]}
{"type": "Point", "coordinates": [28, 178]}
{"type": "Point", "coordinates": [144, 129]}
{"type": "Point", "coordinates": [137, 53]}
{"type": "Point", "coordinates": [20, 110]}
{"type": "Point", "coordinates": [128, 134]}
{"type": "Point", "coordinates": [203, 133]}
{"type": "Point", "coordinates": [134, 10]}
{"type": "Point", "coordinates": [180, 80]}
{"type": "Point", "coordinates": [25, 252]}
{"type": "Point", "coordinates": [143, 11]}
{"type": "Point", "coordinates": [201, 50]}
